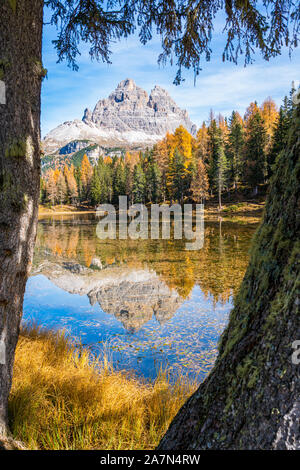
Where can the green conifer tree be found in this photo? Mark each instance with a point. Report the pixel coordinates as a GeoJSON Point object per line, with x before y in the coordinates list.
{"type": "Point", "coordinates": [255, 156]}
{"type": "Point", "coordinates": [139, 184]}
{"type": "Point", "coordinates": [279, 139]}
{"type": "Point", "coordinates": [221, 173]}
{"type": "Point", "coordinates": [234, 149]}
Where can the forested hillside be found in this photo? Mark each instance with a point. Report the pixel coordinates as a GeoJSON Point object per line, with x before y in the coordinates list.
{"type": "Point", "coordinates": [226, 154]}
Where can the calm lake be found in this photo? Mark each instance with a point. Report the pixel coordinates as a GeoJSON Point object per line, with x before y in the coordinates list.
{"type": "Point", "coordinates": [146, 303]}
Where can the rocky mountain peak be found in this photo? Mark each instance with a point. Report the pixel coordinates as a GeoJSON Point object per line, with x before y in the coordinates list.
{"type": "Point", "coordinates": [128, 83]}
{"type": "Point", "coordinates": [128, 118]}
{"type": "Point", "coordinates": [158, 90]}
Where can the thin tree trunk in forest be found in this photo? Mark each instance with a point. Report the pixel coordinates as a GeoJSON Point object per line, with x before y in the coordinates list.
{"type": "Point", "coordinates": [21, 70]}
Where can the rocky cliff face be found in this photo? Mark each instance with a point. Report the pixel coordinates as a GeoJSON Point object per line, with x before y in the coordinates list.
{"type": "Point", "coordinates": [251, 398]}
{"type": "Point", "coordinates": [74, 146]}
{"type": "Point", "coordinates": [129, 117]}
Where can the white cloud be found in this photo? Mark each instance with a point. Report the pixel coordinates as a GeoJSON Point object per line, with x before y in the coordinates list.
{"type": "Point", "coordinates": [221, 86]}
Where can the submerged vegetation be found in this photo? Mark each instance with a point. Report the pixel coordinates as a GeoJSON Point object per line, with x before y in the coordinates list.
{"type": "Point", "coordinates": [61, 398]}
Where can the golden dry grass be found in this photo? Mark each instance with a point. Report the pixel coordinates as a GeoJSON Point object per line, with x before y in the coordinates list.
{"type": "Point", "coordinates": [60, 399]}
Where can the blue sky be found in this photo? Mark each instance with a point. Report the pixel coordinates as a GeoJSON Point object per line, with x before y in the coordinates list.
{"type": "Point", "coordinates": [220, 86]}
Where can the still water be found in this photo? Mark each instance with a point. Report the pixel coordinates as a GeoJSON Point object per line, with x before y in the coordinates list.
{"type": "Point", "coordinates": [146, 303]}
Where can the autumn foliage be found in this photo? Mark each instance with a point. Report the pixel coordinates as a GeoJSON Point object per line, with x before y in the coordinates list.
{"type": "Point", "coordinates": [225, 154]}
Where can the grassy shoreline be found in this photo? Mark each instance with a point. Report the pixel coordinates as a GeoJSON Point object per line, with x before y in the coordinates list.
{"type": "Point", "coordinates": [228, 209]}
{"type": "Point", "coordinates": [63, 400]}
{"type": "Point", "coordinates": [64, 209]}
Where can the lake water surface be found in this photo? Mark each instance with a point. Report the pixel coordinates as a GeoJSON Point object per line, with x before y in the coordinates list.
{"type": "Point", "coordinates": [147, 303]}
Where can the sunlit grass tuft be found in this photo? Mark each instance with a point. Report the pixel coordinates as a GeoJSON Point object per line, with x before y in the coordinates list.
{"type": "Point", "coordinates": [62, 399]}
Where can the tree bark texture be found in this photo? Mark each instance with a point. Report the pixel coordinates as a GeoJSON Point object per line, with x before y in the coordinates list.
{"type": "Point", "coordinates": [21, 71]}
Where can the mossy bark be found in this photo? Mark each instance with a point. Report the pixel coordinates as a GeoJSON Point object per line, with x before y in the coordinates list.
{"type": "Point", "coordinates": [251, 399]}
{"type": "Point", "coordinates": [20, 55]}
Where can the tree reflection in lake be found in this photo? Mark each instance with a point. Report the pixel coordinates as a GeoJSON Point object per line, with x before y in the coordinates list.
{"type": "Point", "coordinates": [156, 303]}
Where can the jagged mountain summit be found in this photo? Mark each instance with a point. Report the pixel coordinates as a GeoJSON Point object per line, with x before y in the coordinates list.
{"type": "Point", "coordinates": [128, 118]}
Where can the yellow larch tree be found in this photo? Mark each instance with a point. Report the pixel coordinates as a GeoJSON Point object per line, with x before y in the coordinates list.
{"type": "Point", "coordinates": [183, 143]}
{"type": "Point", "coordinates": [250, 111]}
{"type": "Point", "coordinates": [199, 185]}
{"type": "Point", "coordinates": [270, 116]}
{"type": "Point", "coordinates": [202, 142]}
{"type": "Point", "coordinates": [86, 173]}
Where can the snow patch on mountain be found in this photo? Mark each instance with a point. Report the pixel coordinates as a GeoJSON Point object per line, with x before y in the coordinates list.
{"type": "Point", "coordinates": [128, 118]}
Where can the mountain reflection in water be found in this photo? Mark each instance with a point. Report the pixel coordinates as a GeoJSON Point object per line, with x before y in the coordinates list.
{"type": "Point", "coordinates": [151, 303]}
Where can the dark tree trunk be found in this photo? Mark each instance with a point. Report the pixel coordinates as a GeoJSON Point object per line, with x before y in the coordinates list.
{"type": "Point", "coordinates": [251, 399]}
{"type": "Point", "coordinates": [21, 70]}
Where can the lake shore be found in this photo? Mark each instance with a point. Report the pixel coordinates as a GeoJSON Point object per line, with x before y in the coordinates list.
{"type": "Point", "coordinates": [62, 399]}
{"type": "Point", "coordinates": [245, 208]}
{"type": "Point", "coordinates": [65, 210]}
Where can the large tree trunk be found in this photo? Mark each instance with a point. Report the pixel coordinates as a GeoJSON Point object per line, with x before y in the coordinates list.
{"type": "Point", "coordinates": [251, 399]}
{"type": "Point", "coordinates": [21, 70]}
